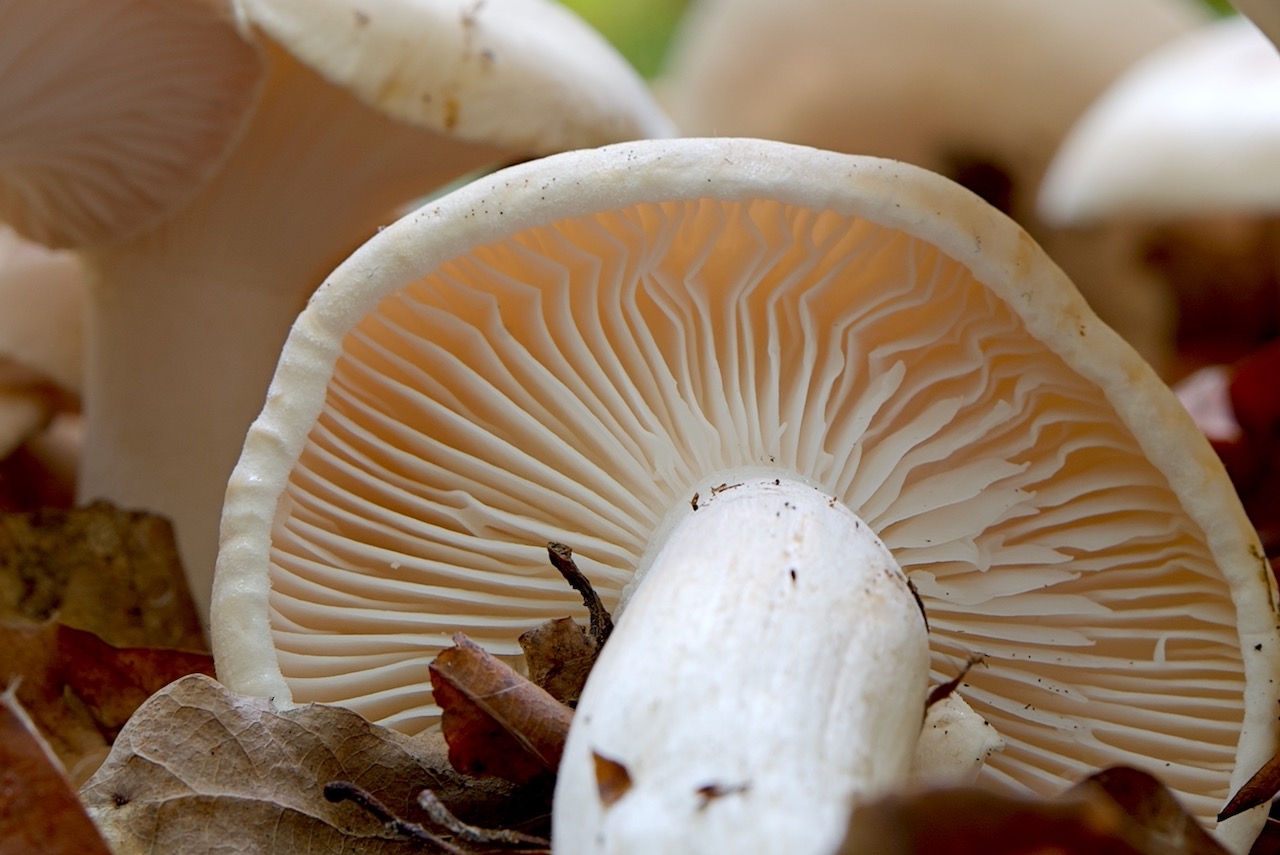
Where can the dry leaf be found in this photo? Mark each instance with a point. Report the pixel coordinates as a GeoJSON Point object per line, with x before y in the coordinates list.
{"type": "Point", "coordinates": [1261, 788]}
{"type": "Point", "coordinates": [496, 721]}
{"type": "Point", "coordinates": [558, 655]}
{"type": "Point", "coordinates": [1116, 812]}
{"type": "Point", "coordinates": [113, 573]}
{"type": "Point", "coordinates": [39, 811]}
{"type": "Point", "coordinates": [613, 781]}
{"type": "Point", "coordinates": [1161, 825]}
{"type": "Point", "coordinates": [79, 690]}
{"type": "Point", "coordinates": [200, 769]}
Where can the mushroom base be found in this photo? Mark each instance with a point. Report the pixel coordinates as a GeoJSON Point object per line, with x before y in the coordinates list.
{"type": "Point", "coordinates": [769, 672]}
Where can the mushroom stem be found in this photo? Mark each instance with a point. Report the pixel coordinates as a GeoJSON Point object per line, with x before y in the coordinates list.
{"type": "Point", "coordinates": [769, 671]}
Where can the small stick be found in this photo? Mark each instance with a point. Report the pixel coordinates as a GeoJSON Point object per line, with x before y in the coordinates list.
{"type": "Point", "coordinates": [442, 816]}
{"type": "Point", "coordinates": [562, 559]}
{"type": "Point", "coordinates": [942, 690]}
{"type": "Point", "coordinates": [345, 791]}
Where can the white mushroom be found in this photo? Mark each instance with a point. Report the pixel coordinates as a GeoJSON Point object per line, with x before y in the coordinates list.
{"type": "Point", "coordinates": [736, 371]}
{"type": "Point", "coordinates": [981, 91]}
{"type": "Point", "coordinates": [1192, 129]}
{"type": "Point", "coordinates": [366, 106]}
{"type": "Point", "coordinates": [1183, 147]}
{"type": "Point", "coordinates": [41, 336]}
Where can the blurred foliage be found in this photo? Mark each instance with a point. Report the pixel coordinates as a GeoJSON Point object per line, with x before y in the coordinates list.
{"type": "Point", "coordinates": [641, 29]}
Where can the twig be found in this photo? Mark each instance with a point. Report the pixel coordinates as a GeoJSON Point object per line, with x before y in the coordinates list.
{"type": "Point", "coordinates": [942, 690]}
{"type": "Point", "coordinates": [562, 559]}
{"type": "Point", "coordinates": [442, 816]}
{"type": "Point", "coordinates": [345, 791]}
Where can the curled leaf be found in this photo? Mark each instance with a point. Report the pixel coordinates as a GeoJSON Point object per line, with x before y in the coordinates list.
{"type": "Point", "coordinates": [496, 721]}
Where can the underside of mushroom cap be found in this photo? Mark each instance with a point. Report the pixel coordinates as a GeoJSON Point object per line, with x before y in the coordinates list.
{"type": "Point", "coordinates": [1192, 129]}
{"type": "Point", "coordinates": [571, 349]}
{"type": "Point", "coordinates": [114, 113]}
{"type": "Point", "coordinates": [526, 74]}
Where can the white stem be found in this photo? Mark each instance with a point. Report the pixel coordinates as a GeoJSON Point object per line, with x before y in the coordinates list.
{"type": "Point", "coordinates": [769, 671]}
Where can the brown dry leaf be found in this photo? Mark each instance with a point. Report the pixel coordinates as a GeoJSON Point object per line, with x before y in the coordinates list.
{"type": "Point", "coordinates": [111, 572]}
{"type": "Point", "coordinates": [1118, 811]}
{"type": "Point", "coordinates": [39, 811]}
{"type": "Point", "coordinates": [79, 690]}
{"type": "Point", "coordinates": [559, 655]}
{"type": "Point", "coordinates": [201, 769]}
{"type": "Point", "coordinates": [613, 781]}
{"type": "Point", "coordinates": [496, 721]}
{"type": "Point", "coordinates": [1261, 788]}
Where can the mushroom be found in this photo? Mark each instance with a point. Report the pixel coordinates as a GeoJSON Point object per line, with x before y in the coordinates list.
{"type": "Point", "coordinates": [1182, 146]}
{"type": "Point", "coordinates": [755, 387]}
{"type": "Point", "coordinates": [366, 106]}
{"type": "Point", "coordinates": [41, 339]}
{"type": "Point", "coordinates": [981, 91]}
{"type": "Point", "coordinates": [1190, 129]}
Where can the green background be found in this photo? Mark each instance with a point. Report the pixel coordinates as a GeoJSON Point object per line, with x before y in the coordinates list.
{"type": "Point", "coordinates": [640, 29]}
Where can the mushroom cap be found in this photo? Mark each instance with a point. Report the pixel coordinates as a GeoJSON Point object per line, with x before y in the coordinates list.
{"type": "Point", "coordinates": [41, 335]}
{"type": "Point", "coordinates": [1191, 129]}
{"type": "Point", "coordinates": [981, 91]}
{"type": "Point", "coordinates": [114, 113]}
{"type": "Point", "coordinates": [526, 74]}
{"type": "Point", "coordinates": [570, 349]}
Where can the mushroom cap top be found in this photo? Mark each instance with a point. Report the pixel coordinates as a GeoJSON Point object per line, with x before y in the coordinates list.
{"type": "Point", "coordinates": [524, 74]}
{"type": "Point", "coordinates": [1193, 128]}
{"type": "Point", "coordinates": [570, 349]}
{"type": "Point", "coordinates": [114, 113]}
{"type": "Point", "coordinates": [965, 89]}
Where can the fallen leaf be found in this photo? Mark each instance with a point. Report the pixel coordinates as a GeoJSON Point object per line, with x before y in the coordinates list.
{"type": "Point", "coordinates": [496, 721]}
{"type": "Point", "coordinates": [1259, 789]}
{"type": "Point", "coordinates": [1160, 823]}
{"type": "Point", "coordinates": [1116, 812]}
{"type": "Point", "coordinates": [114, 573]}
{"type": "Point", "coordinates": [79, 690]}
{"type": "Point", "coordinates": [198, 769]}
{"type": "Point", "coordinates": [39, 811]}
{"type": "Point", "coordinates": [558, 655]}
{"type": "Point", "coordinates": [613, 781]}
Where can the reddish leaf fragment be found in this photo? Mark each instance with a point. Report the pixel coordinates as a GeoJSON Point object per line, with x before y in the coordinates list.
{"type": "Point", "coordinates": [613, 781]}
{"type": "Point", "coordinates": [1118, 812]}
{"type": "Point", "coordinates": [39, 811]}
{"type": "Point", "coordinates": [79, 690]}
{"type": "Point", "coordinates": [497, 722]}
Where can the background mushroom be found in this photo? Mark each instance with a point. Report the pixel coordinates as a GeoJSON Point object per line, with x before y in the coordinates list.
{"type": "Point", "coordinates": [366, 107]}
{"type": "Point", "coordinates": [588, 347]}
{"type": "Point", "coordinates": [41, 364]}
{"type": "Point", "coordinates": [1184, 146]}
{"type": "Point", "coordinates": [982, 92]}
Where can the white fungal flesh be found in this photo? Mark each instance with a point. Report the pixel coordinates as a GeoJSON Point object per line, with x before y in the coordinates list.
{"type": "Point", "coordinates": [475, 416]}
{"type": "Point", "coordinates": [792, 659]}
{"type": "Point", "coordinates": [954, 744]}
{"type": "Point", "coordinates": [571, 349]}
